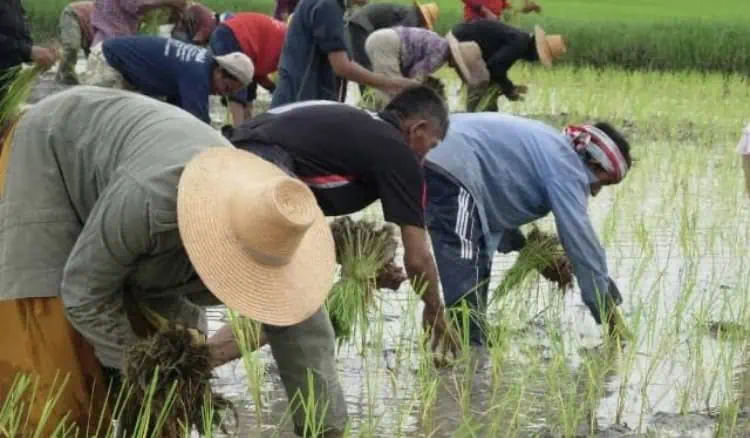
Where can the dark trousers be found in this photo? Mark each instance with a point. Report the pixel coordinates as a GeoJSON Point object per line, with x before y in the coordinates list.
{"type": "Point", "coordinates": [463, 260]}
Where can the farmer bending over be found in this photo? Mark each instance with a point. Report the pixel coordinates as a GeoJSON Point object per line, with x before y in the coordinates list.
{"type": "Point", "coordinates": [367, 19]}
{"type": "Point", "coordinates": [75, 33]}
{"type": "Point", "coordinates": [184, 74]}
{"type": "Point", "coordinates": [414, 52]}
{"type": "Point", "coordinates": [315, 53]}
{"type": "Point", "coordinates": [258, 36]}
{"type": "Point", "coordinates": [502, 45]}
{"type": "Point", "coordinates": [195, 25]}
{"type": "Point", "coordinates": [351, 158]}
{"type": "Point", "coordinates": [120, 208]}
{"type": "Point", "coordinates": [494, 173]}
{"type": "Point", "coordinates": [494, 9]}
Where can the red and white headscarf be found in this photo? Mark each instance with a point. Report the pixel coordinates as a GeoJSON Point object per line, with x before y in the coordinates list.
{"type": "Point", "coordinates": [592, 140]}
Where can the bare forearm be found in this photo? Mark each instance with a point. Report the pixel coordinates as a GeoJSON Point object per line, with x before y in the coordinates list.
{"type": "Point", "coordinates": [356, 73]}
{"type": "Point", "coordinates": [425, 278]}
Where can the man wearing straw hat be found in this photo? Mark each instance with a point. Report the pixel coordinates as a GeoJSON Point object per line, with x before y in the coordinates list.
{"type": "Point", "coordinates": [502, 45]}
{"type": "Point", "coordinates": [112, 202]}
{"type": "Point", "coordinates": [370, 157]}
{"type": "Point", "coordinates": [184, 74]}
{"type": "Point", "coordinates": [372, 17]}
{"type": "Point", "coordinates": [494, 173]}
{"type": "Point", "coordinates": [414, 53]}
{"type": "Point", "coordinates": [315, 60]}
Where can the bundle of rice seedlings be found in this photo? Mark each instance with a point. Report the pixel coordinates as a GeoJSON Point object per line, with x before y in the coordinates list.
{"type": "Point", "coordinates": [168, 377]}
{"type": "Point", "coordinates": [539, 254]}
{"type": "Point", "coordinates": [20, 81]}
{"type": "Point", "coordinates": [366, 254]}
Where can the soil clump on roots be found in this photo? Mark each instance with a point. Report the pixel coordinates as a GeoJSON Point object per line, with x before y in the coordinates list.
{"type": "Point", "coordinates": [153, 367]}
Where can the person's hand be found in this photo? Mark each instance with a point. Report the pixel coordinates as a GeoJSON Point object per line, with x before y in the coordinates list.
{"type": "Point", "coordinates": [444, 340]}
{"type": "Point", "coordinates": [43, 56]}
{"type": "Point", "coordinates": [396, 85]}
{"type": "Point", "coordinates": [560, 271]}
{"type": "Point", "coordinates": [390, 277]}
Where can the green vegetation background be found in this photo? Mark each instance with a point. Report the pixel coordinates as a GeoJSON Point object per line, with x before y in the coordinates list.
{"type": "Point", "coordinates": [632, 34]}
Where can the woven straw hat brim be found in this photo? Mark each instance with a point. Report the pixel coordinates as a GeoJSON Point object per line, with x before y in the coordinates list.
{"type": "Point", "coordinates": [542, 48]}
{"type": "Point", "coordinates": [423, 10]}
{"type": "Point", "coordinates": [281, 296]}
{"type": "Point", "coordinates": [453, 45]}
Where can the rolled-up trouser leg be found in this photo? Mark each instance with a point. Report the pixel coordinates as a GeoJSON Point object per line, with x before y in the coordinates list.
{"type": "Point", "coordinates": [383, 47]}
{"type": "Point", "coordinates": [100, 73]}
{"type": "Point", "coordinates": [309, 347]}
{"type": "Point", "coordinates": [70, 39]}
{"type": "Point", "coordinates": [463, 262]}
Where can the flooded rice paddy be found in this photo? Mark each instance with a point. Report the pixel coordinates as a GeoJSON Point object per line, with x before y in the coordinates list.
{"type": "Point", "coordinates": [676, 236]}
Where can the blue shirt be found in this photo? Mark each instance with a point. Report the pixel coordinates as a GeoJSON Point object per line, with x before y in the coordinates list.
{"type": "Point", "coordinates": [519, 170]}
{"type": "Point", "coordinates": [164, 67]}
{"type": "Point", "coordinates": [316, 30]}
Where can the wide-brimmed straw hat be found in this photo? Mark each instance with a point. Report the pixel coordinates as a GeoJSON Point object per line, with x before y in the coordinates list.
{"type": "Point", "coordinates": [430, 13]}
{"type": "Point", "coordinates": [468, 58]}
{"type": "Point", "coordinates": [548, 47]}
{"type": "Point", "coordinates": [256, 236]}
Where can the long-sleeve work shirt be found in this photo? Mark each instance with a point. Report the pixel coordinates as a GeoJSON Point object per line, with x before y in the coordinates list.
{"type": "Point", "coordinates": [519, 170]}
{"type": "Point", "coordinates": [15, 39]}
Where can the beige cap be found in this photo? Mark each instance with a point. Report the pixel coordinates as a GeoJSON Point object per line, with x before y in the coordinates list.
{"type": "Point", "coordinates": [238, 65]}
{"type": "Point", "coordinates": [256, 237]}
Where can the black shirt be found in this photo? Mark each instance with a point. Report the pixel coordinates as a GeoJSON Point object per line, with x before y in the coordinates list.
{"type": "Point", "coordinates": [15, 39]}
{"type": "Point", "coordinates": [348, 157]}
{"type": "Point", "coordinates": [502, 45]}
{"type": "Point", "coordinates": [376, 16]}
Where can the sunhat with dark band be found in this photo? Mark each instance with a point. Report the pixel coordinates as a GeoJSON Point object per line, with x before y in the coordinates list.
{"type": "Point", "coordinates": [256, 237]}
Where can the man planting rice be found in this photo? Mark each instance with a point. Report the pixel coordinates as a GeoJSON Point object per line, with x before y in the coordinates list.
{"type": "Point", "coordinates": [76, 34]}
{"type": "Point", "coordinates": [351, 158]}
{"type": "Point", "coordinates": [315, 54]}
{"type": "Point", "coordinates": [502, 45]}
{"type": "Point", "coordinates": [413, 52]}
{"type": "Point", "coordinates": [494, 173]}
{"type": "Point", "coordinates": [117, 207]}
{"type": "Point", "coordinates": [184, 74]}
{"type": "Point", "coordinates": [258, 36]}
{"type": "Point", "coordinates": [367, 19]}
{"type": "Point", "coordinates": [195, 25]}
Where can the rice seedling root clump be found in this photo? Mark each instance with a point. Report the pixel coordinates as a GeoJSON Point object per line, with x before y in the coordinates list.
{"type": "Point", "coordinates": [152, 367]}
{"type": "Point", "coordinates": [366, 252]}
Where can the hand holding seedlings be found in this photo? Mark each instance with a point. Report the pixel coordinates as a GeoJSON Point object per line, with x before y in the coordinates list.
{"type": "Point", "coordinates": [43, 56]}
{"type": "Point", "coordinates": [444, 341]}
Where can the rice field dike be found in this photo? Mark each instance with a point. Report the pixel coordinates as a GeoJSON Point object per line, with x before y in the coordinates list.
{"type": "Point", "coordinates": [642, 34]}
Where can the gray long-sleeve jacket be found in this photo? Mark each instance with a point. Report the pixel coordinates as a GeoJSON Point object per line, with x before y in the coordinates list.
{"type": "Point", "coordinates": [89, 210]}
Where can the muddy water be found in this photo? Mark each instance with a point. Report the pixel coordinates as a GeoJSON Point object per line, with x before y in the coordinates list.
{"type": "Point", "coordinates": [669, 383]}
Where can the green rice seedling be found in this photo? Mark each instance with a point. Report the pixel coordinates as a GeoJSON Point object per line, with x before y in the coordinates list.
{"type": "Point", "coordinates": [176, 361]}
{"type": "Point", "coordinates": [20, 80]}
{"type": "Point", "coordinates": [539, 253]}
{"type": "Point", "coordinates": [366, 254]}
{"type": "Point", "coordinates": [247, 334]}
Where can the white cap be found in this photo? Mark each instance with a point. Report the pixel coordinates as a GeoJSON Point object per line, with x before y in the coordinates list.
{"type": "Point", "coordinates": [239, 65]}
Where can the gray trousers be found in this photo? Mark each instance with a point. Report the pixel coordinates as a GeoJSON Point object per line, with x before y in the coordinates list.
{"type": "Point", "coordinates": [69, 31]}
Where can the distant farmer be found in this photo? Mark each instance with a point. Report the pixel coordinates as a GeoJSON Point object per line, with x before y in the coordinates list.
{"type": "Point", "coordinates": [117, 18]}
{"type": "Point", "coordinates": [261, 38]}
{"type": "Point", "coordinates": [16, 45]}
{"type": "Point", "coordinates": [413, 52]}
{"type": "Point", "coordinates": [315, 53]}
{"type": "Point", "coordinates": [494, 173]}
{"type": "Point", "coordinates": [149, 214]}
{"type": "Point", "coordinates": [351, 158]}
{"type": "Point", "coordinates": [284, 9]}
{"type": "Point", "coordinates": [75, 34]}
{"type": "Point", "coordinates": [502, 45]}
{"type": "Point", "coordinates": [195, 24]}
{"type": "Point", "coordinates": [494, 9]}
{"type": "Point", "coordinates": [184, 74]}
{"type": "Point", "coordinates": [367, 19]}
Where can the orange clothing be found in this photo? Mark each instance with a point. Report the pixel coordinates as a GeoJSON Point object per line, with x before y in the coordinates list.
{"type": "Point", "coordinates": [472, 8]}
{"type": "Point", "coordinates": [261, 38]}
{"type": "Point", "coordinates": [37, 341]}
